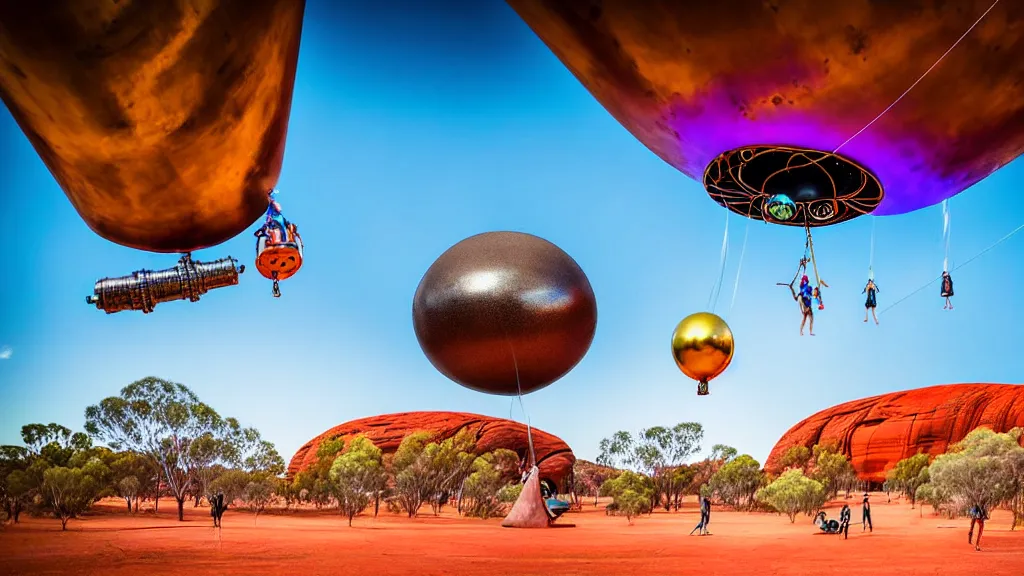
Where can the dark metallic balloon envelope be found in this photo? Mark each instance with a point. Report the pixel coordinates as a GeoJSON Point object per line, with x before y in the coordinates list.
{"type": "Point", "coordinates": [501, 301]}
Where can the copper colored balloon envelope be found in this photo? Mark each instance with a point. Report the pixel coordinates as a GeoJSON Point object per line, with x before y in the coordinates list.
{"type": "Point", "coordinates": [164, 122]}
{"type": "Point", "coordinates": [760, 94]}
{"type": "Point", "coordinates": [702, 346]}
{"type": "Point", "coordinates": [499, 300]}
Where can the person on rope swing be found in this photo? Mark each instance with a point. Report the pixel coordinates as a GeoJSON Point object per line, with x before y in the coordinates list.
{"type": "Point", "coordinates": [978, 516]}
{"type": "Point", "coordinates": [946, 291]}
{"type": "Point", "coordinates": [804, 297]}
{"type": "Point", "coordinates": [872, 301]}
{"type": "Point", "coordinates": [844, 521]}
{"type": "Point", "coordinates": [865, 519]}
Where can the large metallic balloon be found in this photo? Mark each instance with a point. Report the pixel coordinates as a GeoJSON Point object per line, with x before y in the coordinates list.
{"type": "Point", "coordinates": [753, 97]}
{"type": "Point", "coordinates": [702, 346]}
{"type": "Point", "coordinates": [499, 303]}
{"type": "Point", "coordinates": [163, 121]}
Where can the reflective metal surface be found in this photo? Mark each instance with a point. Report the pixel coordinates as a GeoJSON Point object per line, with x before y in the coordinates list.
{"type": "Point", "coordinates": [144, 289]}
{"type": "Point", "coordinates": [500, 300]}
{"type": "Point", "coordinates": [702, 346]}
{"type": "Point", "coordinates": [822, 188]}
{"type": "Point", "coordinates": [163, 121]}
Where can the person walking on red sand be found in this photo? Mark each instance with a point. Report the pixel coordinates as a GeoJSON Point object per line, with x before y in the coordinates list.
{"type": "Point", "coordinates": [705, 516]}
{"type": "Point", "coordinates": [865, 519]}
{"type": "Point", "coordinates": [978, 515]}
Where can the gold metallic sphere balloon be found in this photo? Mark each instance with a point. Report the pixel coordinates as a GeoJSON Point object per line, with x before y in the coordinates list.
{"type": "Point", "coordinates": [504, 313]}
{"type": "Point", "coordinates": [702, 346]}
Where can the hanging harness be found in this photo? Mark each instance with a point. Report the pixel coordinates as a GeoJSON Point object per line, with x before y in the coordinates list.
{"type": "Point", "coordinates": [808, 258]}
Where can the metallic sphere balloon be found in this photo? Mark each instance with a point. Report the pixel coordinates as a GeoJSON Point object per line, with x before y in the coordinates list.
{"type": "Point", "coordinates": [780, 207]}
{"type": "Point", "coordinates": [702, 346]}
{"type": "Point", "coordinates": [504, 313]}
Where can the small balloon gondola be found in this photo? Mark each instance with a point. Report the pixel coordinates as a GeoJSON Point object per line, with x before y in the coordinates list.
{"type": "Point", "coordinates": [278, 246]}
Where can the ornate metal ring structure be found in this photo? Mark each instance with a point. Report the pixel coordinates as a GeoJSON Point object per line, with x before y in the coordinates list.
{"type": "Point", "coordinates": [826, 188]}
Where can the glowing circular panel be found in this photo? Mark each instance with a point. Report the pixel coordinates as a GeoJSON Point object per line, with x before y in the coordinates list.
{"type": "Point", "coordinates": [822, 188]}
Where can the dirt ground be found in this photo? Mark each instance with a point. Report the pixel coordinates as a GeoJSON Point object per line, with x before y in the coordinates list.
{"type": "Point", "coordinates": [109, 542]}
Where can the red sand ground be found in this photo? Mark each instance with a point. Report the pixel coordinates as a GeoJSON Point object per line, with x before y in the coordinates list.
{"type": "Point", "coordinates": [111, 543]}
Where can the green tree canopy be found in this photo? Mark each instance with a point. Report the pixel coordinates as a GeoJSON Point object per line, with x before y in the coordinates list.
{"type": "Point", "coordinates": [490, 474]}
{"type": "Point", "coordinates": [832, 469]}
{"type": "Point", "coordinates": [631, 494]}
{"type": "Point", "coordinates": [979, 470]}
{"type": "Point", "coordinates": [357, 474]}
{"type": "Point", "coordinates": [796, 457]}
{"type": "Point", "coordinates": [792, 493]}
{"type": "Point", "coordinates": [657, 452]}
{"type": "Point", "coordinates": [737, 481]}
{"type": "Point", "coordinates": [906, 475]}
{"type": "Point", "coordinates": [70, 491]}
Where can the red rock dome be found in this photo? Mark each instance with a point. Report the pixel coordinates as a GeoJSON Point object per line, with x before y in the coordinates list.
{"type": "Point", "coordinates": [875, 433]}
{"type": "Point", "coordinates": [554, 457]}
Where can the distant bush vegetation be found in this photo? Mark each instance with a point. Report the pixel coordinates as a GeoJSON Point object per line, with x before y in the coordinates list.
{"type": "Point", "coordinates": [162, 441]}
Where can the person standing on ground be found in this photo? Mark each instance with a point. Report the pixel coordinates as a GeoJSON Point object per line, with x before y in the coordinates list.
{"type": "Point", "coordinates": [703, 519]}
{"type": "Point", "coordinates": [978, 515]}
{"type": "Point", "coordinates": [865, 520]}
{"type": "Point", "coordinates": [706, 507]}
{"type": "Point", "coordinates": [217, 509]}
{"type": "Point", "coordinates": [844, 521]}
{"type": "Point", "coordinates": [705, 516]}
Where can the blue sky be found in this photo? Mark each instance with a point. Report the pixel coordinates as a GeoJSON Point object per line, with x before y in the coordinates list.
{"type": "Point", "coordinates": [411, 133]}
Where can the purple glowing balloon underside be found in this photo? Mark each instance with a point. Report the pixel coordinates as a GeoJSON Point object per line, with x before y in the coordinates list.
{"type": "Point", "coordinates": [904, 164]}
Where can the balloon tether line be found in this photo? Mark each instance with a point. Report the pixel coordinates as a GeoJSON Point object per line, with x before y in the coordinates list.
{"type": "Point", "coordinates": [716, 289]}
{"type": "Point", "coordinates": [739, 268]}
{"type": "Point", "coordinates": [519, 389]}
{"type": "Point", "coordinates": [971, 259]}
{"type": "Point", "coordinates": [871, 254]}
{"type": "Point", "coordinates": [946, 229]}
{"type": "Point", "coordinates": [918, 81]}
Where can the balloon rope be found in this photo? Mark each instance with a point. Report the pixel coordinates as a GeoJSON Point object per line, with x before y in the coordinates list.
{"type": "Point", "coordinates": [868, 125]}
{"type": "Point", "coordinates": [971, 259]}
{"type": "Point", "coordinates": [871, 255]}
{"type": "Point", "coordinates": [945, 235]}
{"type": "Point", "coordinates": [739, 268]}
{"type": "Point", "coordinates": [519, 389]}
{"type": "Point", "coordinates": [716, 289]}
{"type": "Point", "coordinates": [814, 261]}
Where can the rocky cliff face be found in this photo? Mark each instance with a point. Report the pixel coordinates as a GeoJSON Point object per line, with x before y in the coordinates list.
{"type": "Point", "coordinates": [554, 457]}
{"type": "Point", "coordinates": [877, 432]}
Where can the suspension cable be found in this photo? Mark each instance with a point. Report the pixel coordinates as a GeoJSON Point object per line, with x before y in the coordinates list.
{"type": "Point", "coordinates": [968, 261]}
